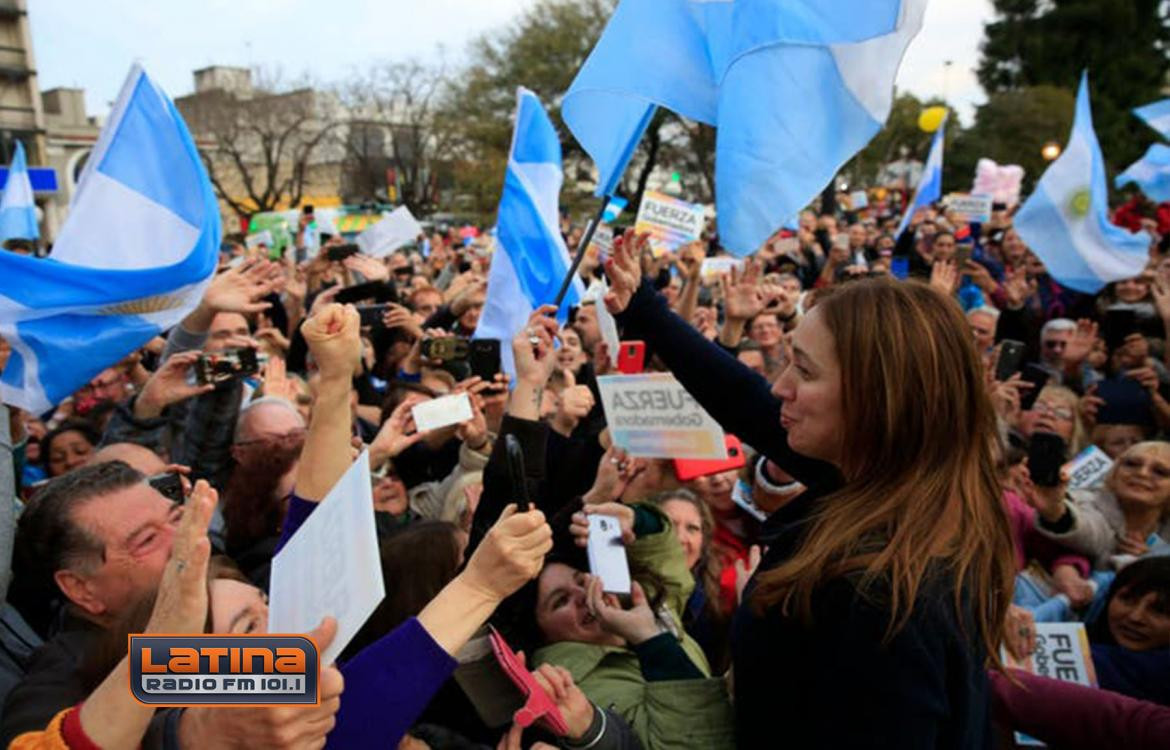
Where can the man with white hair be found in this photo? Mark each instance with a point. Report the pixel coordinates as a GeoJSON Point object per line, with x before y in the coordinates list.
{"type": "Point", "coordinates": [983, 321]}
{"type": "Point", "coordinates": [1054, 339]}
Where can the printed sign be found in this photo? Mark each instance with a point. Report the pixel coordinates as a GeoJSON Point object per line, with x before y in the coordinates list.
{"type": "Point", "coordinates": [670, 222]}
{"type": "Point", "coordinates": [1089, 469]}
{"type": "Point", "coordinates": [331, 565]}
{"type": "Point", "coordinates": [712, 268]}
{"type": "Point", "coordinates": [602, 242]}
{"type": "Point", "coordinates": [977, 208]}
{"type": "Point", "coordinates": [1062, 653]}
{"type": "Point", "coordinates": [224, 670]}
{"type": "Point", "coordinates": [651, 415]}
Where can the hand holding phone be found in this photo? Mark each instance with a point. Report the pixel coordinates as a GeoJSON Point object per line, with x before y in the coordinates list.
{"type": "Point", "coordinates": [1038, 377]}
{"type": "Point", "coordinates": [607, 553]}
{"type": "Point", "coordinates": [1011, 354]}
{"type": "Point", "coordinates": [631, 357]}
{"type": "Point", "coordinates": [516, 475]}
{"type": "Point", "coordinates": [1046, 454]}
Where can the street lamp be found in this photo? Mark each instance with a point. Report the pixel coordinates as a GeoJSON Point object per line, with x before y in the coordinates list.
{"type": "Point", "coordinates": [1050, 151]}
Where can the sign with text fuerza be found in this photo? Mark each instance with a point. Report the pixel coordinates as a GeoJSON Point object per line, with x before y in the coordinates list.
{"type": "Point", "coordinates": [652, 416]}
{"type": "Point", "coordinates": [670, 222]}
{"type": "Point", "coordinates": [1062, 653]}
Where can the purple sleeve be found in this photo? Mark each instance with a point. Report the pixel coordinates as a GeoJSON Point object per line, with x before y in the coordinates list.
{"type": "Point", "coordinates": [297, 513]}
{"type": "Point", "coordinates": [1072, 716]}
{"type": "Point", "coordinates": [388, 685]}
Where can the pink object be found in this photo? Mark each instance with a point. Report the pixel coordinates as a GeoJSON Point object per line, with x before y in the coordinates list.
{"type": "Point", "coordinates": [538, 706]}
{"type": "Point", "coordinates": [1001, 182]}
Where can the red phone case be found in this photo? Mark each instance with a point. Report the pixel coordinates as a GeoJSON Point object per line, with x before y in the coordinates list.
{"type": "Point", "coordinates": [631, 357]}
{"type": "Point", "coordinates": [687, 469]}
{"type": "Point", "coordinates": [538, 706]}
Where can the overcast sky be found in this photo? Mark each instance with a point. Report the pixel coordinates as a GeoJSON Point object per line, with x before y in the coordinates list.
{"type": "Point", "coordinates": [91, 45]}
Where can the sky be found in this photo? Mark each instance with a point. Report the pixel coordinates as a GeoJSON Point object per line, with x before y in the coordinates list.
{"type": "Point", "coordinates": [91, 45]}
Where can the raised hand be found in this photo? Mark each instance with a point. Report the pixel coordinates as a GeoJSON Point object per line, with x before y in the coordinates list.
{"type": "Point", "coordinates": [240, 289]}
{"type": "Point", "coordinates": [743, 298]}
{"type": "Point", "coordinates": [1088, 406]}
{"type": "Point", "coordinates": [636, 624]}
{"type": "Point", "coordinates": [575, 708]}
{"type": "Point", "coordinates": [276, 381]}
{"type": "Point", "coordinates": [624, 269]}
{"type": "Point", "coordinates": [510, 555]}
{"type": "Point", "coordinates": [574, 404]}
{"type": "Point", "coordinates": [943, 277]}
{"type": "Point", "coordinates": [614, 474]}
{"type": "Point", "coordinates": [371, 269]}
{"type": "Point", "coordinates": [579, 523]}
{"type": "Point", "coordinates": [168, 385]}
{"type": "Point", "coordinates": [1081, 344]}
{"type": "Point", "coordinates": [1017, 288]}
{"type": "Point", "coordinates": [398, 316]}
{"type": "Point", "coordinates": [397, 433]}
{"type": "Point", "coordinates": [334, 339]}
{"type": "Point", "coordinates": [532, 347]}
{"type": "Point", "coordinates": [181, 605]}
{"type": "Point", "coordinates": [1019, 632]}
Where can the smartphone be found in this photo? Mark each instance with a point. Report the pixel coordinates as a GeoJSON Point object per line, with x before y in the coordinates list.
{"type": "Point", "coordinates": [1011, 354]}
{"type": "Point", "coordinates": [445, 348]}
{"type": "Point", "coordinates": [1119, 323]}
{"type": "Point", "coordinates": [900, 267]}
{"type": "Point", "coordinates": [484, 358]}
{"type": "Point", "coordinates": [371, 315]}
{"type": "Point", "coordinates": [1038, 377]}
{"type": "Point", "coordinates": [631, 357]}
{"type": "Point", "coordinates": [607, 554]}
{"type": "Point", "coordinates": [686, 469]}
{"type": "Point", "coordinates": [375, 290]}
{"type": "Point", "coordinates": [516, 473]}
{"type": "Point", "coordinates": [1046, 454]}
{"type": "Point", "coordinates": [169, 485]}
{"type": "Point", "coordinates": [962, 255]}
{"type": "Point", "coordinates": [341, 252]}
{"type": "Point", "coordinates": [219, 367]}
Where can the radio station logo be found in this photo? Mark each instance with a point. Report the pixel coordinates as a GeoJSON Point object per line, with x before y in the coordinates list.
{"type": "Point", "coordinates": [209, 670]}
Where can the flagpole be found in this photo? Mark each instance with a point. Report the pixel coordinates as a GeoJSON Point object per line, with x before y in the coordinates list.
{"type": "Point", "coordinates": [589, 230]}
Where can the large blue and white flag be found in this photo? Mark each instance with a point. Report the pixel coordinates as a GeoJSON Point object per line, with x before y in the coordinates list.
{"type": "Point", "coordinates": [1066, 219]}
{"type": "Point", "coordinates": [930, 184]}
{"type": "Point", "coordinates": [1151, 173]}
{"type": "Point", "coordinates": [1157, 116]}
{"type": "Point", "coordinates": [18, 213]}
{"type": "Point", "coordinates": [133, 258]}
{"type": "Point", "coordinates": [794, 88]}
{"type": "Point", "coordinates": [531, 259]}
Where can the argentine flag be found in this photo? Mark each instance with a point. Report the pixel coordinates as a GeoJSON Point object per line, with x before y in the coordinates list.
{"type": "Point", "coordinates": [1157, 116]}
{"type": "Point", "coordinates": [18, 213]}
{"type": "Point", "coordinates": [794, 88]}
{"type": "Point", "coordinates": [139, 246]}
{"type": "Point", "coordinates": [1065, 221]}
{"type": "Point", "coordinates": [930, 185]}
{"type": "Point", "coordinates": [1151, 173]}
{"type": "Point", "coordinates": [531, 260]}
{"type": "Point", "coordinates": [614, 209]}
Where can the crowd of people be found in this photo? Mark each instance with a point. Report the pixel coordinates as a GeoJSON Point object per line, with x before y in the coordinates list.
{"type": "Point", "coordinates": [865, 579]}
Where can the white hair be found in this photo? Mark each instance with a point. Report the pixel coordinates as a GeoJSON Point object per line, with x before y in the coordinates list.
{"type": "Point", "coordinates": [991, 312]}
{"type": "Point", "coordinates": [1058, 325]}
{"type": "Point", "coordinates": [264, 401]}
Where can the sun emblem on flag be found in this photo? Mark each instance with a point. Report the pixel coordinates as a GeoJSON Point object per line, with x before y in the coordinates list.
{"type": "Point", "coordinates": [1080, 202]}
{"type": "Point", "coordinates": [157, 303]}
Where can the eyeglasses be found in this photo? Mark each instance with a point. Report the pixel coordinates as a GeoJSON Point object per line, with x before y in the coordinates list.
{"type": "Point", "coordinates": [1060, 412]}
{"type": "Point", "coordinates": [1055, 344]}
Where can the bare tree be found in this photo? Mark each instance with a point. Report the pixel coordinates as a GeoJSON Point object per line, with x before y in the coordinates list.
{"type": "Point", "coordinates": [260, 144]}
{"type": "Point", "coordinates": [398, 140]}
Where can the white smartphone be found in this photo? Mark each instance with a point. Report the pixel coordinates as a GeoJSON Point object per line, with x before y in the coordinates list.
{"type": "Point", "coordinates": [607, 554]}
{"type": "Point", "coordinates": [442, 412]}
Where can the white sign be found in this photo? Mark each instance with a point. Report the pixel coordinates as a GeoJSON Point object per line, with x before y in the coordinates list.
{"type": "Point", "coordinates": [1089, 469]}
{"type": "Point", "coordinates": [670, 222]}
{"type": "Point", "coordinates": [789, 246]}
{"type": "Point", "coordinates": [602, 240]}
{"type": "Point", "coordinates": [331, 566]}
{"type": "Point", "coordinates": [859, 200]}
{"type": "Point", "coordinates": [712, 268]}
{"type": "Point", "coordinates": [652, 416]}
{"type": "Point", "coordinates": [442, 412]}
{"type": "Point", "coordinates": [260, 238]}
{"type": "Point", "coordinates": [398, 228]}
{"type": "Point", "coordinates": [977, 208]}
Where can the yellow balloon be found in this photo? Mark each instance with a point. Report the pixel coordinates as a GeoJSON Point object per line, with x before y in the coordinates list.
{"type": "Point", "coordinates": [931, 118]}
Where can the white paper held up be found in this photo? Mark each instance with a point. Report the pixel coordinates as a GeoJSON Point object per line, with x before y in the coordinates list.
{"type": "Point", "coordinates": [398, 228]}
{"type": "Point", "coordinates": [331, 566]}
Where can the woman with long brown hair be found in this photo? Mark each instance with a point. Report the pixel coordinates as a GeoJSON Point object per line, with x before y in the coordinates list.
{"type": "Point", "coordinates": [883, 591]}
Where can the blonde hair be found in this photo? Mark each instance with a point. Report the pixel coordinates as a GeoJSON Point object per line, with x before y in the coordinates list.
{"type": "Point", "coordinates": [1080, 436]}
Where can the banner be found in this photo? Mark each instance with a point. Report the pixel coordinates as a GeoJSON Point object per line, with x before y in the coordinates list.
{"type": "Point", "coordinates": [652, 416]}
{"type": "Point", "coordinates": [670, 222]}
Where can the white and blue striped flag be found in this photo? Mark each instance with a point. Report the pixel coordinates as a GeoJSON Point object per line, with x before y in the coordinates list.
{"type": "Point", "coordinates": [531, 260]}
{"type": "Point", "coordinates": [614, 209]}
{"type": "Point", "coordinates": [1066, 219]}
{"type": "Point", "coordinates": [1157, 116]}
{"type": "Point", "coordinates": [930, 184]}
{"type": "Point", "coordinates": [1151, 173]}
{"type": "Point", "coordinates": [138, 249]}
{"type": "Point", "coordinates": [18, 213]}
{"type": "Point", "coordinates": [794, 89]}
